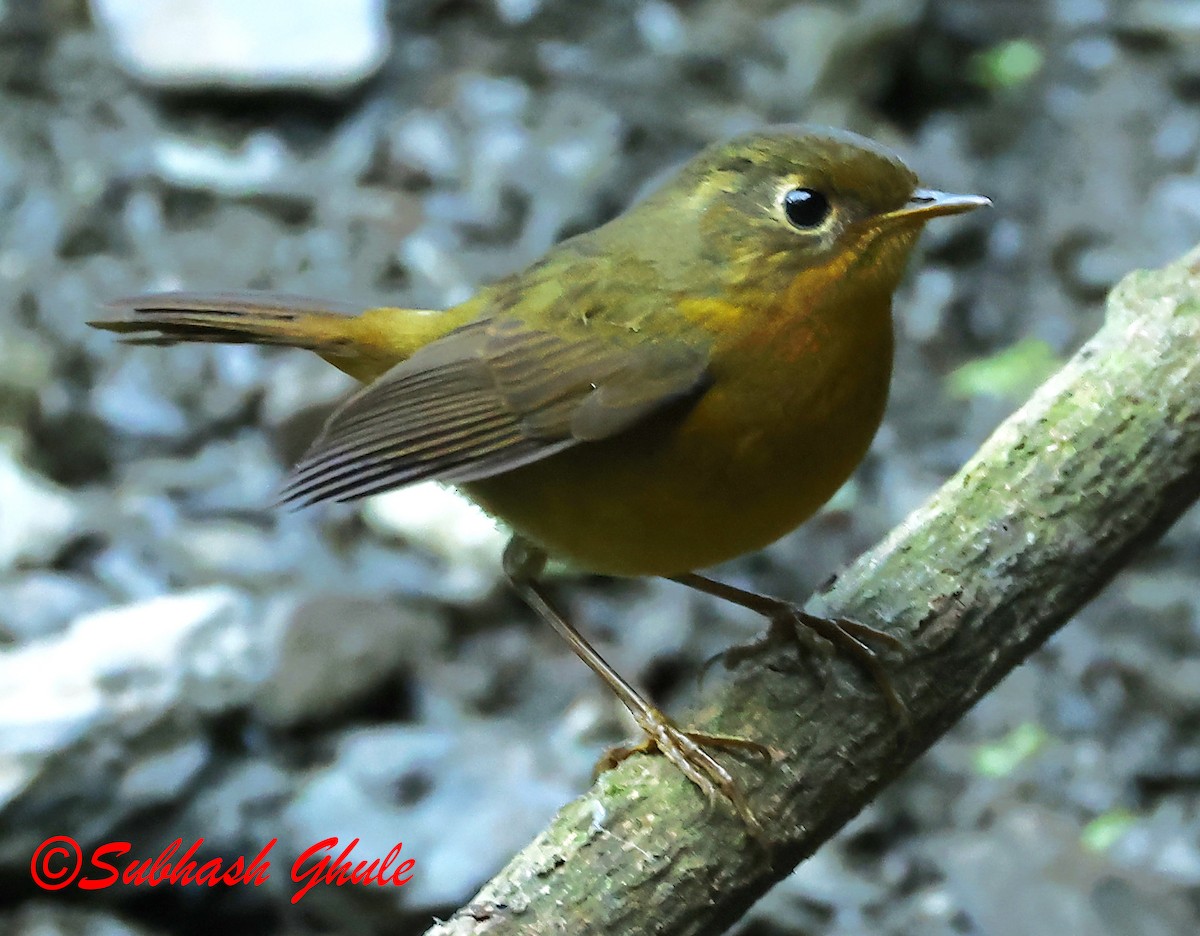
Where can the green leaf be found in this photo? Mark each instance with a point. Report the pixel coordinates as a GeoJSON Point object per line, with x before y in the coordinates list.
{"type": "Point", "coordinates": [1008, 65]}
{"type": "Point", "coordinates": [1006, 755]}
{"type": "Point", "coordinates": [1103, 832]}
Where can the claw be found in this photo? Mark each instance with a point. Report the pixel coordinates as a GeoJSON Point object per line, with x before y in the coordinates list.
{"type": "Point", "coordinates": [850, 637]}
{"type": "Point", "coordinates": [687, 750]}
{"type": "Point", "coordinates": [789, 623]}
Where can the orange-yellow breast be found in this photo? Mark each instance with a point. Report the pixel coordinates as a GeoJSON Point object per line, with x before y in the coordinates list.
{"type": "Point", "coordinates": [793, 406]}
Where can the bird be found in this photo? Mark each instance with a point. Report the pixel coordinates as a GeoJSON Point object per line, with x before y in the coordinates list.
{"type": "Point", "coordinates": [681, 385]}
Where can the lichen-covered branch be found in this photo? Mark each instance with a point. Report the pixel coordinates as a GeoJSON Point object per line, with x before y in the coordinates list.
{"type": "Point", "coordinates": [1097, 464]}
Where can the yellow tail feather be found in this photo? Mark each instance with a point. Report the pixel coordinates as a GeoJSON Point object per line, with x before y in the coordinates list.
{"type": "Point", "coordinates": [364, 344]}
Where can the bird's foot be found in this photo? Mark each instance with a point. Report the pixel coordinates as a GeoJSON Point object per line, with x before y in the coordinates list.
{"type": "Point", "coordinates": [793, 627]}
{"type": "Point", "coordinates": [689, 751]}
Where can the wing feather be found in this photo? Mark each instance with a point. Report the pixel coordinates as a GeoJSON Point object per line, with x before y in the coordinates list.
{"type": "Point", "coordinates": [485, 399]}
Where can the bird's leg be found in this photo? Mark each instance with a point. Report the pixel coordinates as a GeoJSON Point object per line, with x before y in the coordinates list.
{"type": "Point", "coordinates": [786, 620]}
{"type": "Point", "coordinates": [687, 750]}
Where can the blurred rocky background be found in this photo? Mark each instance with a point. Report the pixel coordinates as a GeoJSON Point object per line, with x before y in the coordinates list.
{"type": "Point", "coordinates": [177, 659]}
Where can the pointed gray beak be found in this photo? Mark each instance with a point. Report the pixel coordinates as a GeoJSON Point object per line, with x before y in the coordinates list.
{"type": "Point", "coordinates": [928, 203]}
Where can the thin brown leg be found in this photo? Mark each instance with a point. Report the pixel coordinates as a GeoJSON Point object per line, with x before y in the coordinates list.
{"type": "Point", "coordinates": [685, 749]}
{"type": "Point", "coordinates": [850, 637]}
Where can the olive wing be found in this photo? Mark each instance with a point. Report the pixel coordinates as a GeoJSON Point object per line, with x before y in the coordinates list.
{"type": "Point", "coordinates": [485, 399]}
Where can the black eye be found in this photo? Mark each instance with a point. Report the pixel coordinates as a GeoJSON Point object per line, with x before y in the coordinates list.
{"type": "Point", "coordinates": [805, 208]}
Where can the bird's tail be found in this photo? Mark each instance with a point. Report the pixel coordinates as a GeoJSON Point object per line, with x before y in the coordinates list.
{"type": "Point", "coordinates": [238, 318]}
{"type": "Point", "coordinates": [364, 344]}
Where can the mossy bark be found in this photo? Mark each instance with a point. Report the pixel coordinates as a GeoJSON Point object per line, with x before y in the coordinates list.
{"type": "Point", "coordinates": [1097, 464]}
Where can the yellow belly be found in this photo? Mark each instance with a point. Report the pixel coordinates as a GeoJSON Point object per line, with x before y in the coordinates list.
{"type": "Point", "coordinates": [755, 457]}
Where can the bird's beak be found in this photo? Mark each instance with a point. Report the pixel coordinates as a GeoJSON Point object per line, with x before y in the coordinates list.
{"type": "Point", "coordinates": [924, 204]}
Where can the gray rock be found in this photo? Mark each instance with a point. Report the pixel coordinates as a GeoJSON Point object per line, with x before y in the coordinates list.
{"type": "Point", "coordinates": [57, 918]}
{"type": "Point", "coordinates": [1167, 19]}
{"type": "Point", "coordinates": [311, 45]}
{"type": "Point", "coordinates": [324, 652]}
{"type": "Point", "coordinates": [41, 603]}
{"type": "Point", "coordinates": [127, 572]}
{"type": "Point", "coordinates": [661, 26]}
{"type": "Point", "coordinates": [37, 517]}
{"type": "Point", "coordinates": [515, 12]}
{"type": "Point", "coordinates": [238, 808]}
{"type": "Point", "coordinates": [925, 312]}
{"type": "Point", "coordinates": [131, 400]}
{"type": "Point", "coordinates": [237, 551]}
{"type": "Point", "coordinates": [163, 776]}
{"type": "Point", "coordinates": [442, 521]}
{"type": "Point", "coordinates": [26, 363]}
{"type": "Point", "coordinates": [1173, 219]}
{"type": "Point", "coordinates": [1166, 842]}
{"type": "Point", "coordinates": [393, 568]}
{"type": "Point", "coordinates": [104, 718]}
{"type": "Point", "coordinates": [1064, 887]}
{"type": "Point", "coordinates": [298, 383]}
{"type": "Point", "coordinates": [227, 475]}
{"type": "Point", "coordinates": [189, 163]}
{"type": "Point", "coordinates": [827, 893]}
{"type": "Point", "coordinates": [490, 784]}
{"type": "Point", "coordinates": [426, 140]}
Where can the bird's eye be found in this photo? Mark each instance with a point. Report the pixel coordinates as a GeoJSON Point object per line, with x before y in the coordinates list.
{"type": "Point", "coordinates": [805, 208]}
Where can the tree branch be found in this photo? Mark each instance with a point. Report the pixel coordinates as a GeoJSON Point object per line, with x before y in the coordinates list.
{"type": "Point", "coordinates": [1096, 465]}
